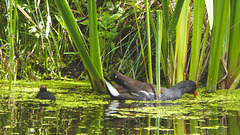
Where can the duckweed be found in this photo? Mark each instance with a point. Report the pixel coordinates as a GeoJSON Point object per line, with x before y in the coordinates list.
{"type": "Point", "coordinates": [77, 104]}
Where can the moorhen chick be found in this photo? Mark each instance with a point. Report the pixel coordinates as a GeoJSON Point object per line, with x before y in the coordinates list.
{"type": "Point", "coordinates": [44, 94]}
{"type": "Point", "coordinates": [131, 89]}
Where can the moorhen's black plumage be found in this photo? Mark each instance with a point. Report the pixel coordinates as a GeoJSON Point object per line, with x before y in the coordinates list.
{"type": "Point", "coordinates": [44, 94]}
{"type": "Point", "coordinates": [131, 89]}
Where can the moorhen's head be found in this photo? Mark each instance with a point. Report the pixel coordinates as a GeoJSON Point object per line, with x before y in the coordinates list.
{"type": "Point", "coordinates": [187, 86]}
{"type": "Point", "coordinates": [43, 88]}
{"type": "Point", "coordinates": [191, 87]}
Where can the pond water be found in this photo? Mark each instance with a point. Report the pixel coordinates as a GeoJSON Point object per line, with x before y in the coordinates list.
{"type": "Point", "coordinates": [78, 110]}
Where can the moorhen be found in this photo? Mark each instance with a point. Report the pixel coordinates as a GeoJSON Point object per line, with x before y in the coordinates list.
{"type": "Point", "coordinates": [131, 89]}
{"type": "Point", "coordinates": [44, 94]}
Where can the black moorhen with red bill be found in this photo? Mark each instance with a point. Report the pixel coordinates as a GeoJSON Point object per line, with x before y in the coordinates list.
{"type": "Point", "coordinates": [131, 89]}
{"type": "Point", "coordinates": [44, 94]}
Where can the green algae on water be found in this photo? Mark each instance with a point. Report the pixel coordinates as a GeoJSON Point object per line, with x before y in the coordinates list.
{"type": "Point", "coordinates": [71, 94]}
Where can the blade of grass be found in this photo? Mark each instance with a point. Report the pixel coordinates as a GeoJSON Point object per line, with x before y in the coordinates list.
{"type": "Point", "coordinates": [93, 35]}
{"type": "Point", "coordinates": [218, 32]}
{"type": "Point", "coordinates": [175, 18]}
{"type": "Point", "coordinates": [11, 41]}
{"type": "Point", "coordinates": [181, 41]}
{"type": "Point", "coordinates": [139, 35]}
{"type": "Point", "coordinates": [162, 58]}
{"type": "Point", "coordinates": [165, 61]}
{"type": "Point", "coordinates": [71, 25]}
{"type": "Point", "coordinates": [236, 81]}
{"type": "Point", "coordinates": [158, 51]}
{"type": "Point", "coordinates": [149, 43]}
{"type": "Point", "coordinates": [198, 16]}
{"type": "Point", "coordinates": [203, 52]}
{"type": "Point", "coordinates": [234, 43]}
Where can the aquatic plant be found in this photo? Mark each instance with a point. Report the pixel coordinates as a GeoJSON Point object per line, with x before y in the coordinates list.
{"type": "Point", "coordinates": [193, 45]}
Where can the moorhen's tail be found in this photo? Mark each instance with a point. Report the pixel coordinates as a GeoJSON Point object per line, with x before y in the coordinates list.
{"type": "Point", "coordinates": [118, 92]}
{"type": "Point", "coordinates": [127, 88]}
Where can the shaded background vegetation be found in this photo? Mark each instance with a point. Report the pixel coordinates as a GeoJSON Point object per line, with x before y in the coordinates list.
{"type": "Point", "coordinates": [54, 56]}
{"type": "Point", "coordinates": [38, 56]}
{"type": "Point", "coordinates": [44, 49]}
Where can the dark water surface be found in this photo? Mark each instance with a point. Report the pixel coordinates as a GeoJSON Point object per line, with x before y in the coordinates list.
{"type": "Point", "coordinates": [77, 110]}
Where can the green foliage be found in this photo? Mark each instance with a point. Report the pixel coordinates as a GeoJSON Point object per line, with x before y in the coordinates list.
{"type": "Point", "coordinates": [149, 43]}
{"type": "Point", "coordinates": [221, 10]}
{"type": "Point", "coordinates": [234, 45]}
{"type": "Point", "coordinates": [43, 49]}
{"type": "Point", "coordinates": [181, 44]}
{"type": "Point", "coordinates": [198, 12]}
{"type": "Point", "coordinates": [158, 50]}
{"type": "Point", "coordinates": [94, 69]}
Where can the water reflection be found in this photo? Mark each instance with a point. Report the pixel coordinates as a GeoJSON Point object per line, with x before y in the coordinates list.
{"type": "Point", "coordinates": [115, 105]}
{"type": "Point", "coordinates": [212, 125]}
{"type": "Point", "coordinates": [113, 118]}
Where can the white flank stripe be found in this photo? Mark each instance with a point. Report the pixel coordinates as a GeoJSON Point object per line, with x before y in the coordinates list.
{"type": "Point", "coordinates": [144, 92]}
{"type": "Point", "coordinates": [150, 93]}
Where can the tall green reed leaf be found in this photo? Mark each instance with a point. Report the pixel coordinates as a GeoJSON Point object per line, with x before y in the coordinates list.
{"type": "Point", "coordinates": [162, 60]}
{"type": "Point", "coordinates": [93, 35]}
{"type": "Point", "coordinates": [198, 16]}
{"type": "Point", "coordinates": [221, 9]}
{"type": "Point", "coordinates": [181, 42]}
{"type": "Point", "coordinates": [12, 36]}
{"type": "Point", "coordinates": [234, 44]}
{"type": "Point", "coordinates": [72, 27]}
{"type": "Point", "coordinates": [158, 50]}
{"type": "Point", "coordinates": [166, 65]}
{"type": "Point", "coordinates": [203, 52]}
{"type": "Point", "coordinates": [149, 43]}
{"type": "Point", "coordinates": [169, 27]}
{"type": "Point", "coordinates": [175, 17]}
